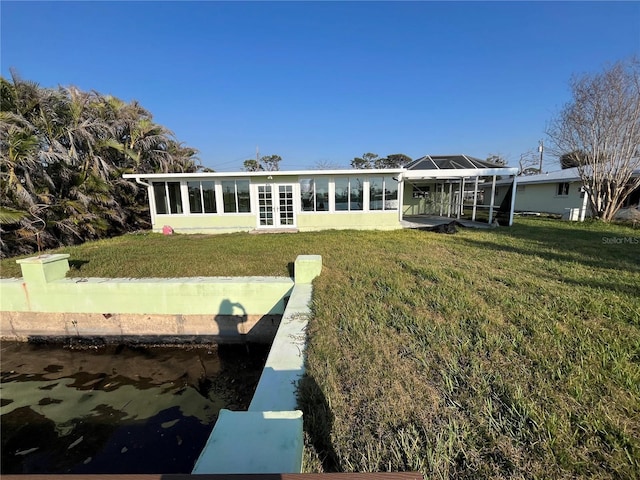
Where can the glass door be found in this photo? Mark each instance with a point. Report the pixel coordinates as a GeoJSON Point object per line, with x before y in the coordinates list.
{"type": "Point", "coordinates": [285, 207]}
{"type": "Point", "coordinates": [276, 206]}
{"type": "Point", "coordinates": [265, 206]}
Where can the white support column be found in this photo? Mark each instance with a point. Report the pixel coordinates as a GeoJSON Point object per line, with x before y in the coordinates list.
{"type": "Point", "coordinates": [583, 209]}
{"type": "Point", "coordinates": [450, 199]}
{"type": "Point", "coordinates": [493, 199]}
{"type": "Point", "coordinates": [441, 198]}
{"type": "Point", "coordinates": [400, 197]}
{"type": "Point", "coordinates": [461, 199]}
{"type": "Point", "coordinates": [513, 199]}
{"type": "Point", "coordinates": [475, 200]}
{"type": "Point", "coordinates": [152, 204]}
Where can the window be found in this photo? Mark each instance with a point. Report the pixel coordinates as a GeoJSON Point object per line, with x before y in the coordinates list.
{"type": "Point", "coordinates": [168, 197]}
{"type": "Point", "coordinates": [202, 197]}
{"type": "Point", "coordinates": [160, 196]}
{"type": "Point", "coordinates": [314, 194]}
{"type": "Point", "coordinates": [563, 189]}
{"type": "Point", "coordinates": [383, 193]}
{"type": "Point", "coordinates": [235, 196]}
{"type": "Point", "coordinates": [349, 194]}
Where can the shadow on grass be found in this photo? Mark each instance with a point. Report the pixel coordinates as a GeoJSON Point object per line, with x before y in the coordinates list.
{"type": "Point", "coordinates": [318, 422]}
{"type": "Point", "coordinates": [596, 249]}
{"type": "Point", "coordinates": [624, 287]}
{"type": "Point", "coordinates": [77, 264]}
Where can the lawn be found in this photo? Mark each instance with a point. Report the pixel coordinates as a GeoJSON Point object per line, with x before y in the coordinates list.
{"type": "Point", "coordinates": [504, 353]}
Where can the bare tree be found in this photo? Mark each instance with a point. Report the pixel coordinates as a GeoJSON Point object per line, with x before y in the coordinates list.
{"type": "Point", "coordinates": [601, 128]}
{"type": "Point", "coordinates": [325, 164]}
{"type": "Point", "coordinates": [528, 163]}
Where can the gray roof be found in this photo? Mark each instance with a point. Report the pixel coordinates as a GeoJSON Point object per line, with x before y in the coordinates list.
{"type": "Point", "coordinates": [566, 175]}
{"type": "Point", "coordinates": [448, 162]}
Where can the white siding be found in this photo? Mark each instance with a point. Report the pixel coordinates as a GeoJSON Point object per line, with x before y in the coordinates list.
{"type": "Point", "coordinates": [544, 198]}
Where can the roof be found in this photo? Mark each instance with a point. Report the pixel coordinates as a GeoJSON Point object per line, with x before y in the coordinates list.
{"type": "Point", "coordinates": [264, 173]}
{"type": "Point", "coordinates": [566, 175]}
{"type": "Point", "coordinates": [427, 167]}
{"type": "Point", "coordinates": [448, 162]}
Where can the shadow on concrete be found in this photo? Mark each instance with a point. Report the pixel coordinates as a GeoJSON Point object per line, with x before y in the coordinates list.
{"type": "Point", "coordinates": [235, 324]}
{"type": "Point", "coordinates": [318, 422]}
{"type": "Point", "coordinates": [230, 323]}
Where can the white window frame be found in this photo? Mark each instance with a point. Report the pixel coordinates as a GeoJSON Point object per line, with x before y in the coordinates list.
{"type": "Point", "coordinates": [384, 192]}
{"type": "Point", "coordinates": [215, 193]}
{"type": "Point", "coordinates": [220, 198]}
{"type": "Point", "coordinates": [560, 186]}
{"type": "Point", "coordinates": [328, 208]}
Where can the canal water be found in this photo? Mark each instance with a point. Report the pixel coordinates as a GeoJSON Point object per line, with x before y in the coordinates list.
{"type": "Point", "coordinates": [117, 409]}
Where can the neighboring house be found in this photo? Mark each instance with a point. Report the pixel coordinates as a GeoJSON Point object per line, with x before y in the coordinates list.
{"type": "Point", "coordinates": [312, 200]}
{"type": "Point", "coordinates": [557, 192]}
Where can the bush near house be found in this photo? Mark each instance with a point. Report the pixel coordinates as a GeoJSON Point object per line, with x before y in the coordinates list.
{"type": "Point", "coordinates": [505, 353]}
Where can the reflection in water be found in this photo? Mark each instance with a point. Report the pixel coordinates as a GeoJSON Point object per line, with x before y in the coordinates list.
{"type": "Point", "coordinates": [117, 409]}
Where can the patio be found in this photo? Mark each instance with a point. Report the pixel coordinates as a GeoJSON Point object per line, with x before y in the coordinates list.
{"type": "Point", "coordinates": [421, 221]}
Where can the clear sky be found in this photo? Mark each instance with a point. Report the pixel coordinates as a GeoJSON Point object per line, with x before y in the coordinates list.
{"type": "Point", "coordinates": [325, 82]}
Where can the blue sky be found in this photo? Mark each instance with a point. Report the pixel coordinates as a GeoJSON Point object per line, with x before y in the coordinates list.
{"type": "Point", "coordinates": [325, 82]}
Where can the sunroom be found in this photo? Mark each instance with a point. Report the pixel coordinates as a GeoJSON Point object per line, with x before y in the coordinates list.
{"type": "Point", "coordinates": [310, 200]}
{"type": "Point", "coordinates": [274, 201]}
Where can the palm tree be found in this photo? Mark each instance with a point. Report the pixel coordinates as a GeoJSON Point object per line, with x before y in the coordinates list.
{"type": "Point", "coordinates": [63, 154]}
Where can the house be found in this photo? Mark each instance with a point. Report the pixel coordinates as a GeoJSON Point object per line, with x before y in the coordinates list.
{"type": "Point", "coordinates": [311, 200]}
{"type": "Point", "coordinates": [559, 192]}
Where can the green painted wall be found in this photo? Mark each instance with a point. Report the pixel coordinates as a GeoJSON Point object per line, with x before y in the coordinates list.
{"type": "Point", "coordinates": [279, 179]}
{"type": "Point", "coordinates": [347, 220]}
{"type": "Point", "coordinates": [43, 289]}
{"type": "Point", "coordinates": [187, 296]}
{"type": "Point", "coordinates": [305, 222]}
{"type": "Point", "coordinates": [213, 223]}
{"type": "Point", "coordinates": [45, 303]}
{"type": "Point", "coordinates": [429, 205]}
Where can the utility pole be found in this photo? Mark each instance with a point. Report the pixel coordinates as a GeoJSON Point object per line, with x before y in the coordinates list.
{"type": "Point", "coordinates": [541, 150]}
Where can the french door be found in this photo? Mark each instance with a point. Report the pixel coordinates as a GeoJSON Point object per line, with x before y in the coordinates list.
{"type": "Point", "coordinates": [276, 205]}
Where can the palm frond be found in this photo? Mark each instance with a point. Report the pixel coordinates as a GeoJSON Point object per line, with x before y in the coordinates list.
{"type": "Point", "coordinates": [11, 215]}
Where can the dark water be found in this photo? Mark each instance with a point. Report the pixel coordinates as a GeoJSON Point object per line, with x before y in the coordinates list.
{"type": "Point", "coordinates": [117, 409]}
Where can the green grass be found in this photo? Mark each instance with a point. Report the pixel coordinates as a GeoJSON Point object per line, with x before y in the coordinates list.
{"type": "Point", "coordinates": [506, 353]}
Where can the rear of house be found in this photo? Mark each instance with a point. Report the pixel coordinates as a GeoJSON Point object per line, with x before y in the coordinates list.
{"type": "Point", "coordinates": [247, 201]}
{"type": "Point", "coordinates": [312, 200]}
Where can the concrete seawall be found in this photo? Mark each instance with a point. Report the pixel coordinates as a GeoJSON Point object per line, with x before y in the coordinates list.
{"type": "Point", "coordinates": [222, 309]}
{"type": "Point", "coordinates": [268, 438]}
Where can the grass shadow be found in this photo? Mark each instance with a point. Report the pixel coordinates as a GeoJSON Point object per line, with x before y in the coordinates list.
{"type": "Point", "coordinates": [318, 422]}
{"type": "Point", "coordinates": [615, 249]}
{"type": "Point", "coordinates": [77, 264]}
